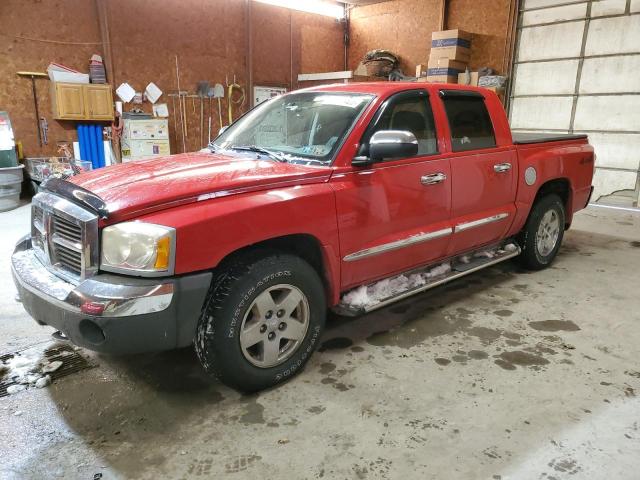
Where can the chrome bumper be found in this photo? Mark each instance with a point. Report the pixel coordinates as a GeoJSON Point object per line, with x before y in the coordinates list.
{"type": "Point", "coordinates": [109, 296]}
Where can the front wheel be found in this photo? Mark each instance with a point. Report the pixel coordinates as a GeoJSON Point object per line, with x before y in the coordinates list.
{"type": "Point", "coordinates": [543, 232]}
{"type": "Point", "coordinates": [262, 321]}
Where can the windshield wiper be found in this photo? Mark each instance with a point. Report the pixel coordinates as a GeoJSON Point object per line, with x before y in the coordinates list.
{"type": "Point", "coordinates": [253, 148]}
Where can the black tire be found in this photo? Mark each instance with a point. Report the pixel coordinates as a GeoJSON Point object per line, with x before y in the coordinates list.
{"type": "Point", "coordinates": [532, 257]}
{"type": "Point", "coordinates": [232, 293]}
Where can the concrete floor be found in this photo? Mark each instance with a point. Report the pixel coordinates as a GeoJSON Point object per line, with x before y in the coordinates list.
{"type": "Point", "coordinates": [502, 375]}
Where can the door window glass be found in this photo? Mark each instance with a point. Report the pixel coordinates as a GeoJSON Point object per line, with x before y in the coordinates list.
{"type": "Point", "coordinates": [410, 112]}
{"type": "Point", "coordinates": [469, 122]}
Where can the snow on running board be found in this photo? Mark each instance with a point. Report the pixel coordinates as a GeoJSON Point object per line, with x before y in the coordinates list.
{"type": "Point", "coordinates": [368, 295]}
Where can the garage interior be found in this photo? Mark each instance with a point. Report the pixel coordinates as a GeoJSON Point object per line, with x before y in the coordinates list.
{"type": "Point", "coordinates": [503, 374]}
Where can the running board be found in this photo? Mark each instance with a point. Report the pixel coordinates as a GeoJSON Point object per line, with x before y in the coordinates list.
{"type": "Point", "coordinates": [428, 277]}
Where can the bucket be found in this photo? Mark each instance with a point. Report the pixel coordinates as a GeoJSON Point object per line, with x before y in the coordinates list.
{"type": "Point", "coordinates": [10, 186]}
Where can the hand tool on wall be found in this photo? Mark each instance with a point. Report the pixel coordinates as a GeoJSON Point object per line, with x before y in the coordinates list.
{"type": "Point", "coordinates": [218, 92]}
{"type": "Point", "coordinates": [33, 76]}
{"type": "Point", "coordinates": [44, 128]}
{"type": "Point", "coordinates": [203, 89]}
{"type": "Point", "coordinates": [210, 94]}
{"type": "Point", "coordinates": [181, 104]}
{"type": "Point", "coordinates": [230, 101]}
{"type": "Point", "coordinates": [175, 122]}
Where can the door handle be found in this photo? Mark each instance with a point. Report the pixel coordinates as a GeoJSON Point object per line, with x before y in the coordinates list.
{"type": "Point", "coordinates": [502, 167]}
{"type": "Point", "coordinates": [433, 178]}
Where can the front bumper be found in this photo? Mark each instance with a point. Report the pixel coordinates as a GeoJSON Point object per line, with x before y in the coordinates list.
{"type": "Point", "coordinates": [111, 313]}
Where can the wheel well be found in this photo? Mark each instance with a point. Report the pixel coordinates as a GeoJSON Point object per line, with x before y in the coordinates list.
{"type": "Point", "coordinates": [304, 246]}
{"type": "Point", "coordinates": [562, 188]}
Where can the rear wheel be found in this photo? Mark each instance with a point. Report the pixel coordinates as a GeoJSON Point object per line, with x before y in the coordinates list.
{"type": "Point", "coordinates": [542, 235]}
{"type": "Point", "coordinates": [262, 320]}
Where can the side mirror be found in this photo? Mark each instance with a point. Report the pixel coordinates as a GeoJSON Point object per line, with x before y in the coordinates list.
{"type": "Point", "coordinates": [221, 131]}
{"type": "Point", "coordinates": [392, 144]}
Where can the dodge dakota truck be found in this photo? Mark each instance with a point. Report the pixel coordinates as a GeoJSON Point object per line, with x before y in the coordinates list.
{"type": "Point", "coordinates": [345, 197]}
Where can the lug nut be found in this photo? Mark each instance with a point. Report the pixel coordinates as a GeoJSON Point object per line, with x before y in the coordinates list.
{"type": "Point", "coordinates": [271, 336]}
{"type": "Point", "coordinates": [282, 326]}
{"type": "Point", "coordinates": [263, 328]}
{"type": "Point", "coordinates": [280, 313]}
{"type": "Point", "coordinates": [269, 314]}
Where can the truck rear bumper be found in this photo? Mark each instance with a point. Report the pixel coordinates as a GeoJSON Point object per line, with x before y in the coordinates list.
{"type": "Point", "coordinates": [111, 313]}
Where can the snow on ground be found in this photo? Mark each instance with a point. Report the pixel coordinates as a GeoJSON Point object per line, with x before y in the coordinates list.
{"type": "Point", "coordinates": [367, 295]}
{"type": "Point", "coordinates": [28, 368]}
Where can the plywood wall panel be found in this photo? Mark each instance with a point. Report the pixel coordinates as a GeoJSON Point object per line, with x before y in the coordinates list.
{"type": "Point", "coordinates": [489, 23]}
{"type": "Point", "coordinates": [208, 36]}
{"type": "Point", "coordinates": [33, 34]}
{"type": "Point", "coordinates": [402, 26]}
{"type": "Point", "coordinates": [405, 27]}
{"type": "Point", "coordinates": [318, 44]}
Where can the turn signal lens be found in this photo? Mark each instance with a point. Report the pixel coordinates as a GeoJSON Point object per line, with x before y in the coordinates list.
{"type": "Point", "coordinates": [163, 253]}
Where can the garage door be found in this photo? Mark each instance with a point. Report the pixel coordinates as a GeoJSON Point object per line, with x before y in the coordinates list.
{"type": "Point", "coordinates": [577, 69]}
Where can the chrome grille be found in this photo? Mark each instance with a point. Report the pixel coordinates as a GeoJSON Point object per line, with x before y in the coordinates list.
{"type": "Point", "coordinates": [64, 237]}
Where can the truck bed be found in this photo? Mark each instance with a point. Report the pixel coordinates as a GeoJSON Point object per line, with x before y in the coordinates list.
{"type": "Point", "coordinates": [527, 138]}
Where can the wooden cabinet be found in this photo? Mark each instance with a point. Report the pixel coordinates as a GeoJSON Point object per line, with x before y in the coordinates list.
{"type": "Point", "coordinates": [98, 102]}
{"type": "Point", "coordinates": [69, 99]}
{"type": "Point", "coordinates": [81, 101]}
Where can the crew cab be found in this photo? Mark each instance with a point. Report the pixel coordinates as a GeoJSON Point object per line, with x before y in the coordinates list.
{"type": "Point", "coordinates": [347, 197]}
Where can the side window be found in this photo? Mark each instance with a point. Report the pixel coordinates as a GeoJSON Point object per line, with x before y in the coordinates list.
{"type": "Point", "coordinates": [406, 111]}
{"type": "Point", "coordinates": [469, 122]}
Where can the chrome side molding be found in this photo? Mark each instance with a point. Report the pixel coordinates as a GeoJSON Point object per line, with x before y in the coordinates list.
{"type": "Point", "coordinates": [480, 222]}
{"type": "Point", "coordinates": [405, 242]}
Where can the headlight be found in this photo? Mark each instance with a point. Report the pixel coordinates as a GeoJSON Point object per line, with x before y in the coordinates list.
{"type": "Point", "coordinates": [139, 248]}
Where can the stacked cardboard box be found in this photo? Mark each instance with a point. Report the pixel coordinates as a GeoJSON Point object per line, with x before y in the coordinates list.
{"type": "Point", "coordinates": [450, 53]}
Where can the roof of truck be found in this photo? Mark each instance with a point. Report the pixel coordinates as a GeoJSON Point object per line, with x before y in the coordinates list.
{"type": "Point", "coordinates": [382, 88]}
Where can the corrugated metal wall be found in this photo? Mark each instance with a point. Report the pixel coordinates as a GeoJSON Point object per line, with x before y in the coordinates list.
{"type": "Point", "coordinates": [576, 70]}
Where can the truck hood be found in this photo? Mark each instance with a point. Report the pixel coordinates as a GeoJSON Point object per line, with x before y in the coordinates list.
{"type": "Point", "coordinates": [131, 189]}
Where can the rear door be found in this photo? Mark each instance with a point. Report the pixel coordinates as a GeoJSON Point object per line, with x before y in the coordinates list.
{"type": "Point", "coordinates": [395, 214]}
{"type": "Point", "coordinates": [483, 174]}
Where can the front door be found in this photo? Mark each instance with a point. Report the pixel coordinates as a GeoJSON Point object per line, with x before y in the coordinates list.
{"type": "Point", "coordinates": [395, 215]}
{"type": "Point", "coordinates": [483, 175]}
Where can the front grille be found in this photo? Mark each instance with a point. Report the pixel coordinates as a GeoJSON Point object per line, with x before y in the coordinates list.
{"type": "Point", "coordinates": [64, 236]}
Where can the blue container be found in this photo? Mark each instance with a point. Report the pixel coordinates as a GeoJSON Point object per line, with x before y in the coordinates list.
{"type": "Point", "coordinates": [100, 145]}
{"type": "Point", "coordinates": [82, 142]}
{"type": "Point", "coordinates": [93, 155]}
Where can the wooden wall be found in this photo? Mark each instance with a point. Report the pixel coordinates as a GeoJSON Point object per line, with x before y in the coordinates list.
{"type": "Point", "coordinates": [72, 36]}
{"type": "Point", "coordinates": [405, 27]}
{"type": "Point", "coordinates": [401, 26]}
{"type": "Point", "coordinates": [210, 38]}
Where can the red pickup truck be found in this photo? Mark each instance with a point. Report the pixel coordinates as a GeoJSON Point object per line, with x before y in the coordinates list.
{"type": "Point", "coordinates": [347, 197]}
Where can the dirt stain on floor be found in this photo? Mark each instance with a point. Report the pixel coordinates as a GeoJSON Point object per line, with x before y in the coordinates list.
{"type": "Point", "coordinates": [254, 413]}
{"type": "Point", "coordinates": [509, 360]}
{"type": "Point", "coordinates": [415, 332]}
{"type": "Point", "coordinates": [327, 367]}
{"type": "Point", "coordinates": [554, 326]}
{"type": "Point", "coordinates": [338, 343]}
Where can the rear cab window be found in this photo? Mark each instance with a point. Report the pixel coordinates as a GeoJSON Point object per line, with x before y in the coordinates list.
{"type": "Point", "coordinates": [469, 120]}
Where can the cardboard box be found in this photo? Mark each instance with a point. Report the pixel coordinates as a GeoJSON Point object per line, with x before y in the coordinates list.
{"type": "Point", "coordinates": [439, 79]}
{"type": "Point", "coordinates": [464, 80]}
{"type": "Point", "coordinates": [452, 44]}
{"type": "Point", "coordinates": [444, 70]}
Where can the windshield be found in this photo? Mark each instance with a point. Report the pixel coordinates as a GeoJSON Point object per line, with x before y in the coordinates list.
{"type": "Point", "coordinates": [305, 127]}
